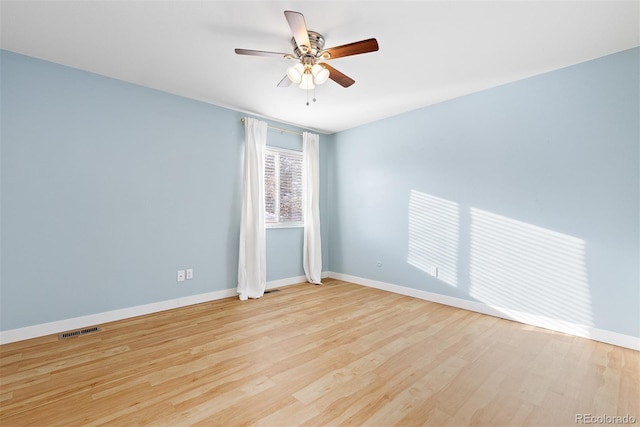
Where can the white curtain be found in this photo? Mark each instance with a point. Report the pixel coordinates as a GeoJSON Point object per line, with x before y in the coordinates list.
{"type": "Point", "coordinates": [252, 263]}
{"type": "Point", "coordinates": [312, 248]}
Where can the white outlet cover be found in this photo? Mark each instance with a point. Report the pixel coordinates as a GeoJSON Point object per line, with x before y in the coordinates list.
{"type": "Point", "coordinates": [181, 275]}
{"type": "Point", "coordinates": [189, 273]}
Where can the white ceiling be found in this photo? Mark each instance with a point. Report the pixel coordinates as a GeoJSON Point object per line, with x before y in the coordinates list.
{"type": "Point", "coordinates": [430, 51]}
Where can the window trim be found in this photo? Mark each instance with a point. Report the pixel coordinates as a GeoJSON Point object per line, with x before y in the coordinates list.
{"type": "Point", "coordinates": [289, 152]}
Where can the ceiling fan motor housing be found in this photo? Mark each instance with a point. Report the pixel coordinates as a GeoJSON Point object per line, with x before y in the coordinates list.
{"type": "Point", "coordinates": [316, 40]}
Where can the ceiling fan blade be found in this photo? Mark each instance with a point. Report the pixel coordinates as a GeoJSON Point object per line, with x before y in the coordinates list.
{"type": "Point", "coordinates": [335, 75]}
{"type": "Point", "coordinates": [285, 82]}
{"type": "Point", "coordinates": [261, 53]}
{"type": "Point", "coordinates": [356, 48]}
{"type": "Point", "coordinates": [298, 29]}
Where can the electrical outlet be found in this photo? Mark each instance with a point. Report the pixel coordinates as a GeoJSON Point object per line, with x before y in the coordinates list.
{"type": "Point", "coordinates": [180, 276]}
{"type": "Point", "coordinates": [434, 271]}
{"type": "Point", "coordinates": [189, 273]}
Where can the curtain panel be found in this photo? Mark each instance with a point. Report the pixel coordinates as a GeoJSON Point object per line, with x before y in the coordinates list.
{"type": "Point", "coordinates": [252, 262]}
{"type": "Point", "coordinates": [312, 247]}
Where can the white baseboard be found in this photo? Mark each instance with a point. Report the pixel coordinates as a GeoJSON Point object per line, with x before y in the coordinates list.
{"type": "Point", "coordinates": [291, 281]}
{"type": "Point", "coordinates": [272, 284]}
{"type": "Point", "coordinates": [583, 331]}
{"type": "Point", "coordinates": [59, 326]}
{"type": "Point", "coordinates": [109, 316]}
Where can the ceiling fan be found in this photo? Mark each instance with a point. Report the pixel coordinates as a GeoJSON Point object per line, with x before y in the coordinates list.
{"type": "Point", "coordinates": [310, 54]}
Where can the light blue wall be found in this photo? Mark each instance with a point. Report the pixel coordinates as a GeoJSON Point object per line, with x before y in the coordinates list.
{"type": "Point", "coordinates": [108, 188]}
{"type": "Point", "coordinates": [525, 196]}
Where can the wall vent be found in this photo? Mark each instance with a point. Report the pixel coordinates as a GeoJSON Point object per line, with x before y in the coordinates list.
{"type": "Point", "coordinates": [78, 332]}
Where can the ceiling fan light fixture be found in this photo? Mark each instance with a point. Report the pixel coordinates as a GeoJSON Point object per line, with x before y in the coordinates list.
{"type": "Point", "coordinates": [320, 74]}
{"type": "Point", "coordinates": [295, 73]}
{"type": "Point", "coordinates": [307, 81]}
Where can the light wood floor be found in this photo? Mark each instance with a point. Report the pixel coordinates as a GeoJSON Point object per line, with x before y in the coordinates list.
{"type": "Point", "coordinates": [337, 354]}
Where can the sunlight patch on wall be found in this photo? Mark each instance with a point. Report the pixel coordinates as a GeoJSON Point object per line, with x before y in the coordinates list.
{"type": "Point", "coordinates": [433, 236]}
{"type": "Point", "coordinates": [530, 273]}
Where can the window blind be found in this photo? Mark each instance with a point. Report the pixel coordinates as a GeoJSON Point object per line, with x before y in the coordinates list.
{"type": "Point", "coordinates": [283, 188]}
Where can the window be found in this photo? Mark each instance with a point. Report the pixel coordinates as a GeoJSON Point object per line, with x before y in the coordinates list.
{"type": "Point", "coordinates": [283, 188]}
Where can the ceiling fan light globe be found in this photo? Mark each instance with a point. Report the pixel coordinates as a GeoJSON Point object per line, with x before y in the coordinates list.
{"type": "Point", "coordinates": [320, 74]}
{"type": "Point", "coordinates": [295, 73]}
{"type": "Point", "coordinates": [307, 81]}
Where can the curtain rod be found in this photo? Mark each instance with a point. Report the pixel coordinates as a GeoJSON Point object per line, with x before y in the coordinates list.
{"type": "Point", "coordinates": [278, 129]}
